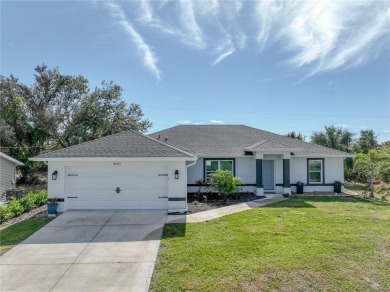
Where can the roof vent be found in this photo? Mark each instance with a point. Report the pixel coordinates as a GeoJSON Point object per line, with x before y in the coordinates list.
{"type": "Point", "coordinates": [158, 138]}
{"type": "Point", "coordinates": [166, 138]}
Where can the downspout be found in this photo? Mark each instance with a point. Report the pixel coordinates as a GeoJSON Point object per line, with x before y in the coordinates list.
{"type": "Point", "coordinates": [191, 164]}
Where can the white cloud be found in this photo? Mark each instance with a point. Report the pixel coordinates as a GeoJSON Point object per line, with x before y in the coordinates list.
{"type": "Point", "coordinates": [216, 122]}
{"type": "Point", "coordinates": [223, 56]}
{"type": "Point", "coordinates": [319, 36]}
{"type": "Point", "coordinates": [149, 59]}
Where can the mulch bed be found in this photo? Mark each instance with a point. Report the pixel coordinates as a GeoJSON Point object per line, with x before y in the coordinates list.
{"type": "Point", "coordinates": [196, 205]}
{"type": "Point", "coordinates": [37, 211]}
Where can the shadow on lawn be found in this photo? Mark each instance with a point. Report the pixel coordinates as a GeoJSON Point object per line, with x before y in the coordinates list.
{"type": "Point", "coordinates": [174, 230]}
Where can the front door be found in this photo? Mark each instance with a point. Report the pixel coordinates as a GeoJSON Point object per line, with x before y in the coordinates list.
{"type": "Point", "coordinates": [268, 175]}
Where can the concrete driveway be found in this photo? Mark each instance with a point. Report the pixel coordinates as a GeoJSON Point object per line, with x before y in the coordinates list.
{"type": "Point", "coordinates": [86, 251]}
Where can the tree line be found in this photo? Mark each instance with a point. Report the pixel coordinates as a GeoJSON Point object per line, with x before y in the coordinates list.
{"type": "Point", "coordinates": [57, 111]}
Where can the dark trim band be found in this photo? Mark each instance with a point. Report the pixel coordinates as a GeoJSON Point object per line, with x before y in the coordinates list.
{"type": "Point", "coordinates": [309, 185]}
{"type": "Point", "coordinates": [176, 199]}
{"type": "Point", "coordinates": [59, 199]}
{"type": "Point", "coordinates": [244, 185]}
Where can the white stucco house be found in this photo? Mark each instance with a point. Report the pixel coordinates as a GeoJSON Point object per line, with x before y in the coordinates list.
{"type": "Point", "coordinates": [7, 172]}
{"type": "Point", "coordinates": [134, 171]}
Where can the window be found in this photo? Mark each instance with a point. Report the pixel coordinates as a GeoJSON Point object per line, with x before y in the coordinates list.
{"type": "Point", "coordinates": [213, 165]}
{"type": "Point", "coordinates": [315, 168]}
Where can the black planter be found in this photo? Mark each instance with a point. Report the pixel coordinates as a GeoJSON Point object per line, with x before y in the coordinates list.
{"type": "Point", "coordinates": [337, 187]}
{"type": "Point", "coordinates": [300, 189]}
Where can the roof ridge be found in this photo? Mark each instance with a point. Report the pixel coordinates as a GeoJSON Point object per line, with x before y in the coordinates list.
{"type": "Point", "coordinates": [165, 144]}
{"type": "Point", "coordinates": [257, 144]}
{"type": "Point", "coordinates": [87, 142]}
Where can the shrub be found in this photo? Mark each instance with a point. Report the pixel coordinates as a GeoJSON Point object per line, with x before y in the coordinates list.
{"type": "Point", "coordinates": [4, 213]}
{"type": "Point", "coordinates": [224, 182]}
{"type": "Point", "coordinates": [15, 208]}
{"type": "Point", "coordinates": [39, 197]}
{"type": "Point", "coordinates": [25, 204]}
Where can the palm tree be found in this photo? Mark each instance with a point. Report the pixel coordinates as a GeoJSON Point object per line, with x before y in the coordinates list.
{"type": "Point", "coordinates": [366, 142]}
{"type": "Point", "coordinates": [371, 164]}
{"type": "Point", "coordinates": [296, 135]}
{"type": "Point", "coordinates": [333, 137]}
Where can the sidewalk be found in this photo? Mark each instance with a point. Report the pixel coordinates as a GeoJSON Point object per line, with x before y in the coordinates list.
{"type": "Point", "coordinates": [220, 212]}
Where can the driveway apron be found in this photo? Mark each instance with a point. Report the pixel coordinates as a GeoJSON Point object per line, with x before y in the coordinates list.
{"type": "Point", "coordinates": [86, 251]}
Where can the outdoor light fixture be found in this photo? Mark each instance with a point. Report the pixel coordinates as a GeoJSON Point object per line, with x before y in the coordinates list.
{"type": "Point", "coordinates": [54, 175]}
{"type": "Point", "coordinates": [176, 174]}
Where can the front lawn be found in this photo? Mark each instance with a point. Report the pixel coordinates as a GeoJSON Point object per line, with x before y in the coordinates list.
{"type": "Point", "coordinates": [16, 233]}
{"type": "Point", "coordinates": [301, 244]}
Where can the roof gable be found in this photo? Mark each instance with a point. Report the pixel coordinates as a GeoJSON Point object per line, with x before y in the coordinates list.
{"type": "Point", "coordinates": [269, 144]}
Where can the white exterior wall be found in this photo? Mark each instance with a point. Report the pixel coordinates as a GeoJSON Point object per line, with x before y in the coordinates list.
{"type": "Point", "coordinates": [334, 170]}
{"type": "Point", "coordinates": [246, 169]}
{"type": "Point", "coordinates": [7, 174]}
{"type": "Point", "coordinates": [176, 187]}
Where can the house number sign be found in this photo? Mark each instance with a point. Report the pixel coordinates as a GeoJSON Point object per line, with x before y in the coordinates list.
{"type": "Point", "coordinates": [116, 163]}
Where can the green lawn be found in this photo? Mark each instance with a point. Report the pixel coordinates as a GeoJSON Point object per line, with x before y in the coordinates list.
{"type": "Point", "coordinates": [301, 244]}
{"type": "Point", "coordinates": [13, 234]}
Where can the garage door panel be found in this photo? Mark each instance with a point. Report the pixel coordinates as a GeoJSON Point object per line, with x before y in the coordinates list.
{"type": "Point", "coordinates": [95, 188]}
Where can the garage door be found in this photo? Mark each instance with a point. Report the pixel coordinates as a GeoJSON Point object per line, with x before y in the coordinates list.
{"type": "Point", "coordinates": [117, 187]}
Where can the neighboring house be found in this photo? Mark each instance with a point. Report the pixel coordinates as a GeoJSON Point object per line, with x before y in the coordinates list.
{"type": "Point", "coordinates": [133, 171]}
{"type": "Point", "coordinates": [7, 172]}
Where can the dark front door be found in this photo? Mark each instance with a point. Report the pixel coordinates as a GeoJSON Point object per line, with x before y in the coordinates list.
{"type": "Point", "coordinates": [268, 175]}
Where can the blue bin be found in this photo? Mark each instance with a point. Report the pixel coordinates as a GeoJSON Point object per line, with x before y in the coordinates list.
{"type": "Point", "coordinates": [51, 209]}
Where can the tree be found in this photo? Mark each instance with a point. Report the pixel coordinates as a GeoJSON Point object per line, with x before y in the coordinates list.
{"type": "Point", "coordinates": [366, 142]}
{"type": "Point", "coordinates": [372, 165]}
{"type": "Point", "coordinates": [333, 137]}
{"type": "Point", "coordinates": [63, 107]}
{"type": "Point", "coordinates": [385, 144]}
{"type": "Point", "coordinates": [18, 137]}
{"type": "Point", "coordinates": [384, 168]}
{"type": "Point", "coordinates": [296, 135]}
{"type": "Point", "coordinates": [60, 110]}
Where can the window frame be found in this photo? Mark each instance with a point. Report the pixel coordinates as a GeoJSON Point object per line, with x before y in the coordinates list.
{"type": "Point", "coordinates": [205, 172]}
{"type": "Point", "coordinates": [322, 171]}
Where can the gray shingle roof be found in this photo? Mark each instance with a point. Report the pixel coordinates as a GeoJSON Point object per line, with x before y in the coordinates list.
{"type": "Point", "coordinates": [231, 140]}
{"type": "Point", "coordinates": [270, 144]}
{"type": "Point", "coordinates": [127, 144]}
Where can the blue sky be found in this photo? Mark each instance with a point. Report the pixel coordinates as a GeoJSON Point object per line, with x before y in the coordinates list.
{"type": "Point", "coordinates": [275, 65]}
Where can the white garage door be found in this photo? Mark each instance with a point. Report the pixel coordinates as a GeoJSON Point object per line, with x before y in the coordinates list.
{"type": "Point", "coordinates": [117, 187]}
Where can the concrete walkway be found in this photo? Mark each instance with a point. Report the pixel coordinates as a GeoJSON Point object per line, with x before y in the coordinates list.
{"type": "Point", "coordinates": [86, 251]}
{"type": "Point", "coordinates": [220, 212]}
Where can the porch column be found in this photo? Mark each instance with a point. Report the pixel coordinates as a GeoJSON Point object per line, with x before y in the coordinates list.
{"type": "Point", "coordinates": [259, 174]}
{"type": "Point", "coordinates": [286, 174]}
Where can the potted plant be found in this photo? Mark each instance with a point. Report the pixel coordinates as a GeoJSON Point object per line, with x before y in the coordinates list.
{"type": "Point", "coordinates": [52, 204]}
{"type": "Point", "coordinates": [300, 187]}
{"type": "Point", "coordinates": [337, 186]}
